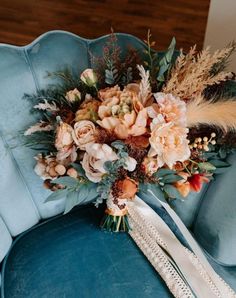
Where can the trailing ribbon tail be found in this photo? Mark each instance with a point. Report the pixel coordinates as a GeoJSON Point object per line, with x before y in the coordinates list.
{"type": "Point", "coordinates": [174, 262]}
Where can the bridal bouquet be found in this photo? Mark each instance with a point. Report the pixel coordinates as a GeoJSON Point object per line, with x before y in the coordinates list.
{"type": "Point", "coordinates": [147, 121]}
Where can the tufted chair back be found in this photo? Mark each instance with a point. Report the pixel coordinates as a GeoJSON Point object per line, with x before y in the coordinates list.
{"type": "Point", "coordinates": [210, 214]}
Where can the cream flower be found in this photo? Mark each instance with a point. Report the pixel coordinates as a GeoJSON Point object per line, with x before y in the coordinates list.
{"type": "Point", "coordinates": [169, 142]}
{"type": "Point", "coordinates": [73, 95]}
{"type": "Point", "coordinates": [64, 142]}
{"type": "Point", "coordinates": [94, 158]}
{"type": "Point", "coordinates": [63, 136]}
{"type": "Point", "coordinates": [172, 108]}
{"type": "Point", "coordinates": [150, 165]}
{"type": "Point", "coordinates": [89, 77]}
{"type": "Point", "coordinates": [84, 133]}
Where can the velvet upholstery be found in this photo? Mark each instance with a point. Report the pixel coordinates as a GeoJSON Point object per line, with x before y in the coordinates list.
{"type": "Point", "coordinates": [215, 226]}
{"type": "Point", "coordinates": [6, 239]}
{"type": "Point", "coordinates": [65, 240]}
{"type": "Point", "coordinates": [72, 257]}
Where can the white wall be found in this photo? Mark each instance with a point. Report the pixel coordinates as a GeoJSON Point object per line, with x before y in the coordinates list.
{"type": "Point", "coordinates": [221, 26]}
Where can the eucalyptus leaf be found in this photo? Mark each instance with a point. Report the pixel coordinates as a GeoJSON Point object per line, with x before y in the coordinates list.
{"type": "Point", "coordinates": [206, 166]}
{"type": "Point", "coordinates": [72, 200]}
{"type": "Point", "coordinates": [93, 193]}
{"type": "Point", "coordinates": [83, 193]}
{"type": "Point", "coordinates": [172, 192]}
{"type": "Point", "coordinates": [57, 195]}
{"type": "Point", "coordinates": [66, 181]}
{"type": "Point", "coordinates": [219, 163]}
{"type": "Point", "coordinates": [157, 191]}
{"type": "Point", "coordinates": [171, 178]}
{"type": "Point", "coordinates": [152, 190]}
{"type": "Point", "coordinates": [78, 167]}
{"type": "Point", "coordinates": [164, 172]}
{"type": "Point", "coordinates": [220, 170]}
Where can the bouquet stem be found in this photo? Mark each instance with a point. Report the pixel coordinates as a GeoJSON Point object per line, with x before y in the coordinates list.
{"type": "Point", "coordinates": [115, 223]}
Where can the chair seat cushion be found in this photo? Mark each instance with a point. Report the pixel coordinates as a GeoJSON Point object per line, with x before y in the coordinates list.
{"type": "Point", "coordinates": [69, 256]}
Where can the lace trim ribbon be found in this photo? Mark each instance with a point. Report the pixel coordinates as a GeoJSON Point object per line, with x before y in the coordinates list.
{"type": "Point", "coordinates": [187, 274]}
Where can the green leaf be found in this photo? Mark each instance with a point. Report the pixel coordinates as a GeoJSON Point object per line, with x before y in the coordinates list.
{"type": "Point", "coordinates": [66, 181]}
{"type": "Point", "coordinates": [164, 172]}
{"type": "Point", "coordinates": [72, 199]}
{"type": "Point", "coordinates": [157, 191]}
{"type": "Point", "coordinates": [220, 170]}
{"type": "Point", "coordinates": [152, 190]}
{"type": "Point", "coordinates": [78, 167]}
{"type": "Point", "coordinates": [93, 193]}
{"type": "Point", "coordinates": [171, 178]}
{"type": "Point", "coordinates": [57, 195]}
{"type": "Point", "coordinates": [206, 166]}
{"type": "Point", "coordinates": [172, 192]}
{"type": "Point", "coordinates": [171, 50]}
{"type": "Point", "coordinates": [219, 163]}
{"type": "Point", "coordinates": [83, 193]}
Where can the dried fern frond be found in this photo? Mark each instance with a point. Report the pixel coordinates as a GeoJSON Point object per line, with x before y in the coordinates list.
{"type": "Point", "coordinates": [40, 126]}
{"type": "Point", "coordinates": [221, 113]}
{"type": "Point", "coordinates": [144, 86]}
{"type": "Point", "coordinates": [46, 106]}
{"type": "Point", "coordinates": [193, 73]}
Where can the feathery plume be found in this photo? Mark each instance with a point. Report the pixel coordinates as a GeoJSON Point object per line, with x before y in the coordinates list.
{"type": "Point", "coordinates": [221, 114]}
{"type": "Point", "coordinates": [144, 86]}
{"type": "Point", "coordinates": [193, 73]}
{"type": "Point", "coordinates": [41, 126]}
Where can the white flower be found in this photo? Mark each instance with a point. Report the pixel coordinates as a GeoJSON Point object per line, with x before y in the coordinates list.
{"type": "Point", "coordinates": [94, 158]}
{"type": "Point", "coordinates": [130, 164]}
{"type": "Point", "coordinates": [169, 143]}
{"type": "Point", "coordinates": [89, 77]}
{"type": "Point", "coordinates": [73, 95]}
{"type": "Point", "coordinates": [84, 133]}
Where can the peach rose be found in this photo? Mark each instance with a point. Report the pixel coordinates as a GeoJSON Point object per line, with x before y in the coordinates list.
{"type": "Point", "coordinates": [84, 133]}
{"type": "Point", "coordinates": [73, 95]}
{"type": "Point", "coordinates": [94, 158]}
{"type": "Point", "coordinates": [127, 188]}
{"type": "Point", "coordinates": [89, 77]}
{"type": "Point", "coordinates": [169, 142]}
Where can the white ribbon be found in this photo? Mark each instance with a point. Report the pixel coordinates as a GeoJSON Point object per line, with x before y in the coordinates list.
{"type": "Point", "coordinates": [196, 270]}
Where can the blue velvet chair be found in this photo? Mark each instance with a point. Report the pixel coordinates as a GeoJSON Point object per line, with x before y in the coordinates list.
{"type": "Point", "coordinates": [45, 254]}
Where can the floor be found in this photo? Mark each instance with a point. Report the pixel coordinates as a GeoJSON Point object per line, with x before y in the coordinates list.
{"type": "Point", "coordinates": [21, 21]}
